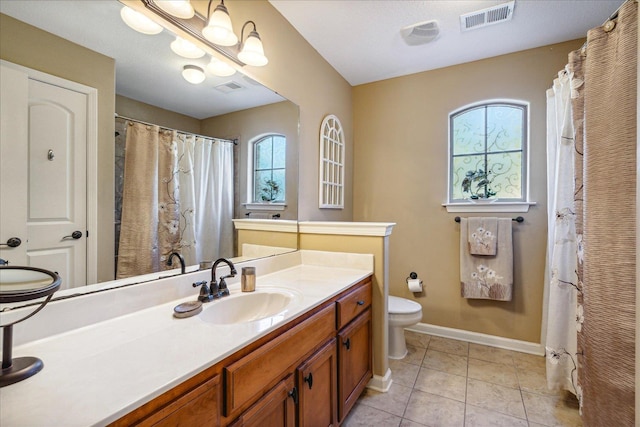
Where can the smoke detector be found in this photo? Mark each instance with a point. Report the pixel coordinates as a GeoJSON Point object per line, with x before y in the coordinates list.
{"type": "Point", "coordinates": [489, 16]}
{"type": "Point", "coordinates": [420, 33]}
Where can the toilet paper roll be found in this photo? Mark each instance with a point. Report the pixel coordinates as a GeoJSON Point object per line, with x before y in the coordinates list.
{"type": "Point", "coordinates": [415, 285]}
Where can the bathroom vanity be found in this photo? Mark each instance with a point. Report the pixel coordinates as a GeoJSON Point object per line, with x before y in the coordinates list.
{"type": "Point", "coordinates": [308, 361]}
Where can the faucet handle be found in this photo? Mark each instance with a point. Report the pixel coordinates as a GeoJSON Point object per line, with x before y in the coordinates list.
{"type": "Point", "coordinates": [222, 286]}
{"type": "Point", "coordinates": [205, 294]}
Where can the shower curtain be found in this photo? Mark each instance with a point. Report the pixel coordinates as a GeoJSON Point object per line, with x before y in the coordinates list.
{"type": "Point", "coordinates": [603, 91]}
{"type": "Point", "coordinates": [177, 196]}
{"type": "Point", "coordinates": [149, 224]}
{"type": "Point", "coordinates": [205, 176]}
{"type": "Point", "coordinates": [562, 242]}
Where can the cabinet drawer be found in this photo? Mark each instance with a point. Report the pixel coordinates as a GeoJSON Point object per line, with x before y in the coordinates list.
{"type": "Point", "coordinates": [352, 304]}
{"type": "Point", "coordinates": [251, 376]}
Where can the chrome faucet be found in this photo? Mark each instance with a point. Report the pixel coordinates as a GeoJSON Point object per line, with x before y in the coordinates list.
{"type": "Point", "coordinates": [219, 290]}
{"type": "Point", "coordinates": [180, 257]}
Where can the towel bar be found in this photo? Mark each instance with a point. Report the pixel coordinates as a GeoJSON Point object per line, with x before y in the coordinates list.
{"type": "Point", "coordinates": [517, 219]}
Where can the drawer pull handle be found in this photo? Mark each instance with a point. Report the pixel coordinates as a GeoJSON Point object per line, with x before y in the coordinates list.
{"type": "Point", "coordinates": [361, 302]}
{"type": "Point", "coordinates": [294, 395]}
{"type": "Point", "coordinates": [309, 379]}
{"type": "Point", "coordinates": [347, 343]}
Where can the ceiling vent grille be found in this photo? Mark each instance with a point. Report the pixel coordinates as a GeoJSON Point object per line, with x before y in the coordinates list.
{"type": "Point", "coordinates": [489, 16]}
{"type": "Point", "coordinates": [420, 33]}
{"type": "Point", "coordinates": [229, 87]}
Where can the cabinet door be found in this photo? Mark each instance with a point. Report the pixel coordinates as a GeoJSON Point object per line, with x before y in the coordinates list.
{"type": "Point", "coordinates": [200, 406]}
{"type": "Point", "coordinates": [318, 388]}
{"type": "Point", "coordinates": [354, 361]}
{"type": "Point", "coordinates": [274, 409]}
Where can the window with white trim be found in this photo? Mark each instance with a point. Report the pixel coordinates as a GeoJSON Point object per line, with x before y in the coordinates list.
{"type": "Point", "coordinates": [331, 163]}
{"type": "Point", "coordinates": [269, 169]}
{"type": "Point", "coordinates": [488, 152]}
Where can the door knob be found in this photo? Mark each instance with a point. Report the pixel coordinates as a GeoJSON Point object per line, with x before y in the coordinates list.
{"type": "Point", "coordinates": [75, 235]}
{"type": "Point", "coordinates": [12, 242]}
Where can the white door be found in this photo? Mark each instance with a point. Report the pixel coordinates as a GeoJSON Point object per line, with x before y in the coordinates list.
{"type": "Point", "coordinates": [55, 177]}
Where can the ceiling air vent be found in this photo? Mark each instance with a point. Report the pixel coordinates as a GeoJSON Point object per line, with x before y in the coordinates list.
{"type": "Point", "coordinates": [229, 87]}
{"type": "Point", "coordinates": [489, 16]}
{"type": "Point", "coordinates": [420, 33]}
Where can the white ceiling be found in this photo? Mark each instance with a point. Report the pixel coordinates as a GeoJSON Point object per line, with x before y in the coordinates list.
{"type": "Point", "coordinates": [361, 38]}
{"type": "Point", "coordinates": [146, 68]}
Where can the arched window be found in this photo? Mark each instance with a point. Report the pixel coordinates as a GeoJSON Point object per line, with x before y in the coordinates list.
{"type": "Point", "coordinates": [487, 152]}
{"type": "Point", "coordinates": [269, 169]}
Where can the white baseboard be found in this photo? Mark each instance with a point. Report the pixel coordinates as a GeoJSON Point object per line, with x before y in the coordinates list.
{"type": "Point", "coordinates": [478, 338]}
{"type": "Point", "coordinates": [381, 384]}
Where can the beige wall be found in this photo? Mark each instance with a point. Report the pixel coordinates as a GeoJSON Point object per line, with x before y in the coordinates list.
{"type": "Point", "coordinates": [297, 72]}
{"type": "Point", "coordinates": [400, 175]}
{"type": "Point", "coordinates": [281, 118]}
{"type": "Point", "coordinates": [133, 109]}
{"type": "Point", "coordinates": [33, 48]}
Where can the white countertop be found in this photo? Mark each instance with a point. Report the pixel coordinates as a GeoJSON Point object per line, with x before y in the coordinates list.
{"type": "Point", "coordinates": [95, 374]}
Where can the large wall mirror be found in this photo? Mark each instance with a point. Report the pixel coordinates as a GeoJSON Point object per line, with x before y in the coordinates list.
{"type": "Point", "coordinates": [150, 89]}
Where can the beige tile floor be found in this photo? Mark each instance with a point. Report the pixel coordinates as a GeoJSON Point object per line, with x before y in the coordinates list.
{"type": "Point", "coordinates": [443, 382]}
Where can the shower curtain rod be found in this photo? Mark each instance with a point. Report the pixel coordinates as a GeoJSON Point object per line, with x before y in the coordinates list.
{"type": "Point", "coordinates": [233, 141]}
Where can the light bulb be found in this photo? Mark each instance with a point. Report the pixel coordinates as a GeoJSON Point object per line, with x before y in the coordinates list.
{"type": "Point", "coordinates": [186, 49]}
{"type": "Point", "coordinates": [139, 22]}
{"type": "Point", "coordinates": [178, 8]}
{"type": "Point", "coordinates": [220, 68]}
{"type": "Point", "coordinates": [193, 74]}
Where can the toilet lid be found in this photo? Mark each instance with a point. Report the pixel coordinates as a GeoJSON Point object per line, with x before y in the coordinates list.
{"type": "Point", "coordinates": [399, 305]}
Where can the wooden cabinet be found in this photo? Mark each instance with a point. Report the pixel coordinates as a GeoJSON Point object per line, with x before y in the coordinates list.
{"type": "Point", "coordinates": [317, 388]}
{"type": "Point", "coordinates": [354, 362]}
{"type": "Point", "coordinates": [247, 378]}
{"type": "Point", "coordinates": [308, 372]}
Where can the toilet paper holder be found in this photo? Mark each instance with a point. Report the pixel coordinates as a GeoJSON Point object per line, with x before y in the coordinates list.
{"type": "Point", "coordinates": [413, 283]}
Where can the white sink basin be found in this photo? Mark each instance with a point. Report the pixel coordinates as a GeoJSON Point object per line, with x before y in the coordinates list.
{"type": "Point", "coordinates": [249, 306]}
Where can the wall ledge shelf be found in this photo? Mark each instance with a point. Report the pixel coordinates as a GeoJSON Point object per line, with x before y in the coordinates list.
{"type": "Point", "coordinates": [346, 228]}
{"type": "Point", "coordinates": [282, 225]}
{"type": "Point", "coordinates": [489, 207]}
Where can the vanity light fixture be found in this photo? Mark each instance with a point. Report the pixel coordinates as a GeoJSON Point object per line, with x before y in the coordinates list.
{"type": "Point", "coordinates": [220, 68]}
{"type": "Point", "coordinates": [252, 52]}
{"type": "Point", "coordinates": [219, 29]}
{"type": "Point", "coordinates": [139, 22]}
{"type": "Point", "coordinates": [216, 32]}
{"type": "Point", "coordinates": [186, 49]}
{"type": "Point", "coordinates": [193, 74]}
{"type": "Point", "coordinates": [178, 8]}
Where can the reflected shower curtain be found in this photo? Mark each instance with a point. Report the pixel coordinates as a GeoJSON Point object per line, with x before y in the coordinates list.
{"type": "Point", "coordinates": [149, 226]}
{"type": "Point", "coordinates": [177, 197]}
{"type": "Point", "coordinates": [206, 192]}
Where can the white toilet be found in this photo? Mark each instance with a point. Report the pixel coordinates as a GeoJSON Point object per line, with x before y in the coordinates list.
{"type": "Point", "coordinates": [402, 313]}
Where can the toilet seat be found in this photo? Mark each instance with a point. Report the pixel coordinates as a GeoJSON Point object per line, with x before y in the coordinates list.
{"type": "Point", "coordinates": [399, 305]}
